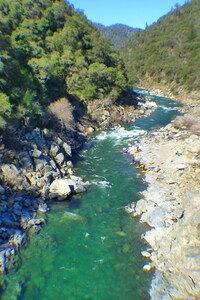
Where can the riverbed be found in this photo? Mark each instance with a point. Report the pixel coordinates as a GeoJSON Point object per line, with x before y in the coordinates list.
{"type": "Point", "coordinates": [90, 248]}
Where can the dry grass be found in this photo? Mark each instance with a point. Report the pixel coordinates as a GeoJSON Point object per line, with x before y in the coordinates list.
{"type": "Point", "coordinates": [182, 122]}
{"type": "Point", "coordinates": [63, 111]}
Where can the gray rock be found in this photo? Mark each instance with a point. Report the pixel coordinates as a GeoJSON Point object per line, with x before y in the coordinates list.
{"type": "Point", "coordinates": [12, 174]}
{"type": "Point", "coordinates": [67, 149]}
{"type": "Point", "coordinates": [79, 189]}
{"type": "Point", "coordinates": [59, 189]}
{"type": "Point", "coordinates": [53, 164]}
{"type": "Point", "coordinates": [182, 167]}
{"type": "Point", "coordinates": [69, 164]}
{"type": "Point", "coordinates": [60, 159]}
{"type": "Point", "coordinates": [41, 165]}
{"type": "Point", "coordinates": [2, 190]}
{"type": "Point", "coordinates": [2, 262]}
{"type": "Point", "coordinates": [140, 207]}
{"type": "Point", "coordinates": [36, 153]}
{"type": "Point", "coordinates": [195, 147]}
{"type": "Point", "coordinates": [42, 207]}
{"type": "Point", "coordinates": [89, 130]}
{"type": "Point", "coordinates": [59, 141]}
{"type": "Point", "coordinates": [69, 171]}
{"type": "Point", "coordinates": [75, 186]}
{"type": "Point", "coordinates": [76, 179]}
{"type": "Point", "coordinates": [54, 149]}
{"type": "Point", "coordinates": [47, 168]}
{"type": "Point", "coordinates": [18, 239]}
{"type": "Point", "coordinates": [33, 222]}
{"type": "Point", "coordinates": [49, 177]}
{"type": "Point", "coordinates": [146, 254]}
{"type": "Point", "coordinates": [46, 133]}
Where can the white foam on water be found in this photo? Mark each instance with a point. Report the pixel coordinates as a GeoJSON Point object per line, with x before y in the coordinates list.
{"type": "Point", "coordinates": [165, 108]}
{"type": "Point", "coordinates": [102, 183]}
{"type": "Point", "coordinates": [120, 134]}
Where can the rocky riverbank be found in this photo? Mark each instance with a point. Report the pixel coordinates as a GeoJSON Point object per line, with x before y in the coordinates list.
{"type": "Point", "coordinates": [36, 167]}
{"type": "Point", "coordinates": [170, 161]}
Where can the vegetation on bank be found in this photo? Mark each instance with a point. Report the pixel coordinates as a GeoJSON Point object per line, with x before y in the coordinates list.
{"type": "Point", "coordinates": [47, 51]}
{"type": "Point", "coordinates": [168, 52]}
{"type": "Point", "coordinates": [118, 34]}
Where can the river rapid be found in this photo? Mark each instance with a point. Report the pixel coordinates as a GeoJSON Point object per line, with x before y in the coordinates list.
{"type": "Point", "coordinates": [90, 248]}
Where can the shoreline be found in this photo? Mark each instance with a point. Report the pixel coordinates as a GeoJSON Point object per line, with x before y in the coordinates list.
{"type": "Point", "coordinates": [170, 207]}
{"type": "Point", "coordinates": [37, 166]}
{"type": "Point", "coordinates": [185, 97]}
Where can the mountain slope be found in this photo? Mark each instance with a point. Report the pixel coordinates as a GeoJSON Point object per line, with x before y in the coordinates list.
{"type": "Point", "coordinates": [48, 50]}
{"type": "Point", "coordinates": [118, 34]}
{"type": "Point", "coordinates": [168, 52]}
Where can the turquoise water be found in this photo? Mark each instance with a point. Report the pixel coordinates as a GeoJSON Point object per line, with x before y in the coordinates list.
{"type": "Point", "coordinates": [91, 247]}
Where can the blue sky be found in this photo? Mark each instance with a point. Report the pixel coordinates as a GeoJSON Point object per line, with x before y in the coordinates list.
{"type": "Point", "coordinates": [135, 13]}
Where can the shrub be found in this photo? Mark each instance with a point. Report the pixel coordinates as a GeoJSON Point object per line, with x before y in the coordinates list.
{"type": "Point", "coordinates": [63, 111]}
{"type": "Point", "coordinates": [5, 109]}
{"type": "Point", "coordinates": [184, 121]}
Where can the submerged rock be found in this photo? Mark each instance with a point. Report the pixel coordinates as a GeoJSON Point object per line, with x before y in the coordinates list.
{"type": "Point", "coordinates": [67, 215]}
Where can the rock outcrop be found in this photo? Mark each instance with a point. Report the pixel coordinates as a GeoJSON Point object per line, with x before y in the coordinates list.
{"type": "Point", "coordinates": [170, 205]}
{"type": "Point", "coordinates": [40, 171]}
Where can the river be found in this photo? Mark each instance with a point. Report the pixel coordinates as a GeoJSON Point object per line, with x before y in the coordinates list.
{"type": "Point", "coordinates": [90, 248]}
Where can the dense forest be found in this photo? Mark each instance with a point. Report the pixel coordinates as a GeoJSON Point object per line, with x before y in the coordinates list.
{"type": "Point", "coordinates": [118, 34]}
{"type": "Point", "coordinates": [47, 51]}
{"type": "Point", "coordinates": [168, 52]}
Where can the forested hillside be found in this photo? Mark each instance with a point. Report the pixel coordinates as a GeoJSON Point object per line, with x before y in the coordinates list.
{"type": "Point", "coordinates": [48, 50]}
{"type": "Point", "coordinates": [168, 52]}
{"type": "Point", "coordinates": [118, 34]}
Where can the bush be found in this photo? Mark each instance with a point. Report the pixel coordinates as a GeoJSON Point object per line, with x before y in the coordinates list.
{"type": "Point", "coordinates": [63, 111]}
{"type": "Point", "coordinates": [184, 121]}
{"type": "Point", "coordinates": [5, 109]}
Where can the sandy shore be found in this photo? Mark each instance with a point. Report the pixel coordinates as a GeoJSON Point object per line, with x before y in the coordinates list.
{"type": "Point", "coordinates": [170, 206]}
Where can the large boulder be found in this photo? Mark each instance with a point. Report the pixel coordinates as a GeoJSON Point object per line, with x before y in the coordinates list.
{"type": "Point", "coordinates": [59, 189]}
{"type": "Point", "coordinates": [67, 149]}
{"type": "Point", "coordinates": [42, 165]}
{"type": "Point", "coordinates": [25, 161]}
{"type": "Point", "coordinates": [54, 149]}
{"type": "Point", "coordinates": [193, 144]}
{"type": "Point", "coordinates": [12, 175]}
{"type": "Point", "coordinates": [36, 153]}
{"type": "Point", "coordinates": [75, 186]}
{"type": "Point", "coordinates": [60, 159]}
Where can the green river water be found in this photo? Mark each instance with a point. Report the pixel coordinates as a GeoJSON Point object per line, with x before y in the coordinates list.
{"type": "Point", "coordinates": [94, 254]}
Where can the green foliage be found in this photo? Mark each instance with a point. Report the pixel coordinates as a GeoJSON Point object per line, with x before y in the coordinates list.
{"type": "Point", "coordinates": [48, 50]}
{"type": "Point", "coordinates": [5, 109]}
{"type": "Point", "coordinates": [168, 52]}
{"type": "Point", "coordinates": [5, 106]}
{"type": "Point", "coordinates": [118, 34]}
